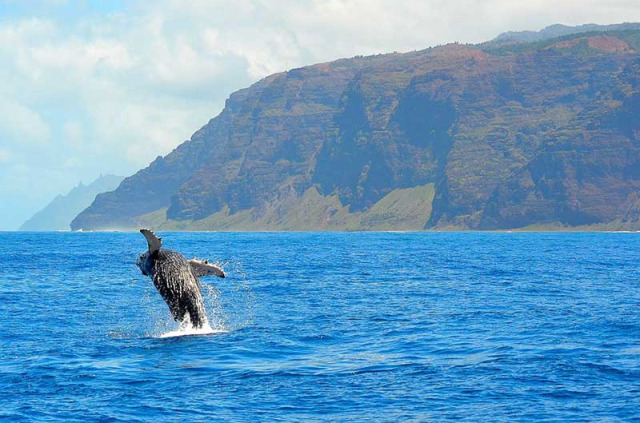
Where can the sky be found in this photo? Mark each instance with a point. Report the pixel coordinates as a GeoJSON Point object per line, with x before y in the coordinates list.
{"type": "Point", "coordinates": [91, 87]}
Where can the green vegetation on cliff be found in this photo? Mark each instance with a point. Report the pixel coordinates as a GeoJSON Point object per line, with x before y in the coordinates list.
{"type": "Point", "coordinates": [405, 209]}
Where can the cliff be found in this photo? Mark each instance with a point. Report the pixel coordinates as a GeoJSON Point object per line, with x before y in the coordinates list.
{"type": "Point", "coordinates": [501, 135]}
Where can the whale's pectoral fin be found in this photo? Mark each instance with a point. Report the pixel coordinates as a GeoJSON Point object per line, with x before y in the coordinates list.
{"type": "Point", "coordinates": [153, 240]}
{"type": "Point", "coordinates": [204, 268]}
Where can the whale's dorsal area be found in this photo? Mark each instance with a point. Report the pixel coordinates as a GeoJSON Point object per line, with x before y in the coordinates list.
{"type": "Point", "coordinates": [204, 268]}
{"type": "Point", "coordinates": [153, 240]}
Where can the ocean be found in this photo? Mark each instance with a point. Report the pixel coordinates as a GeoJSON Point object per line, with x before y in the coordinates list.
{"type": "Point", "coordinates": [353, 327]}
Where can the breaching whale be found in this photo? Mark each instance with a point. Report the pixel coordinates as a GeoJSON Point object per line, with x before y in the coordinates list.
{"type": "Point", "coordinates": [176, 279]}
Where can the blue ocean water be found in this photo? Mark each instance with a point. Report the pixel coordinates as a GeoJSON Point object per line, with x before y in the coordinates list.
{"type": "Point", "coordinates": [325, 327]}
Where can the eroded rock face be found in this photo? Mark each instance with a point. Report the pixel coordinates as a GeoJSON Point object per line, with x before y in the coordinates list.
{"type": "Point", "coordinates": [576, 182]}
{"type": "Point", "coordinates": [511, 135]}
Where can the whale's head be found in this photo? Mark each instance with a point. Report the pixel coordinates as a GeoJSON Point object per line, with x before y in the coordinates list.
{"type": "Point", "coordinates": [144, 264]}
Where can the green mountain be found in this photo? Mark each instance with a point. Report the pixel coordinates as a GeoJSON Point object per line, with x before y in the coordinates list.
{"type": "Point", "coordinates": [59, 213]}
{"type": "Point", "coordinates": [501, 135]}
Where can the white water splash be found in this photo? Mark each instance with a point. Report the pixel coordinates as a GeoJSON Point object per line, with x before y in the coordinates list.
{"type": "Point", "coordinates": [188, 330]}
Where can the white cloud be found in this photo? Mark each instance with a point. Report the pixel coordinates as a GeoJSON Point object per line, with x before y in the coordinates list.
{"type": "Point", "coordinates": [149, 129]}
{"type": "Point", "coordinates": [20, 125]}
{"type": "Point", "coordinates": [5, 156]}
{"type": "Point", "coordinates": [73, 134]}
{"type": "Point", "coordinates": [25, 29]}
{"type": "Point", "coordinates": [71, 162]}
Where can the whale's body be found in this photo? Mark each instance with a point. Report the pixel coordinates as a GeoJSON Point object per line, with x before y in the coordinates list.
{"type": "Point", "coordinates": [179, 288]}
{"type": "Point", "coordinates": [176, 279]}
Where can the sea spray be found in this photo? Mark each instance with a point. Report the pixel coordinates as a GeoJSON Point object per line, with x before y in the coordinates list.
{"type": "Point", "coordinates": [186, 329]}
{"type": "Point", "coordinates": [237, 299]}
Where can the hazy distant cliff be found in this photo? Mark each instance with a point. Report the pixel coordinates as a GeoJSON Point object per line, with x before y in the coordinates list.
{"type": "Point", "coordinates": [59, 213]}
{"type": "Point", "coordinates": [505, 134]}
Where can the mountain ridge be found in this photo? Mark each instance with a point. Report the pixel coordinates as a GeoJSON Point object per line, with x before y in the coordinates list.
{"type": "Point", "coordinates": [58, 214]}
{"type": "Point", "coordinates": [559, 30]}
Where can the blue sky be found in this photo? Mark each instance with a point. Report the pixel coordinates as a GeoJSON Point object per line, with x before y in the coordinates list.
{"type": "Point", "coordinates": [96, 87]}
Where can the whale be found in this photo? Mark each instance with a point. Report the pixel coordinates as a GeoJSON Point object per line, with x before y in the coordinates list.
{"type": "Point", "coordinates": [177, 280]}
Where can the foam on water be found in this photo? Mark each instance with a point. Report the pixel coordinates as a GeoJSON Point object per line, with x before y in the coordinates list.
{"type": "Point", "coordinates": [191, 331]}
